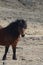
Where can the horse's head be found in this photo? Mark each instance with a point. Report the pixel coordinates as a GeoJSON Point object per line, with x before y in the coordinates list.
{"type": "Point", "coordinates": [22, 26]}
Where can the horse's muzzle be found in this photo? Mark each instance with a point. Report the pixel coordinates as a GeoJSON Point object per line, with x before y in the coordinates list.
{"type": "Point", "coordinates": [23, 35]}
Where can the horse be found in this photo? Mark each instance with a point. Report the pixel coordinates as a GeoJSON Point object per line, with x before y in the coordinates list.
{"type": "Point", "coordinates": [10, 35]}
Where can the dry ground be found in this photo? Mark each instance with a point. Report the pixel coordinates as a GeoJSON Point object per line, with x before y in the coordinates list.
{"type": "Point", "coordinates": [30, 48]}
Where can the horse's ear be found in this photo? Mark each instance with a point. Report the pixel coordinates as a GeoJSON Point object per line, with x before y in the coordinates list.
{"type": "Point", "coordinates": [19, 23]}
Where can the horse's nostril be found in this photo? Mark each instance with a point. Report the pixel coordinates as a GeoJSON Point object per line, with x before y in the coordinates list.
{"type": "Point", "coordinates": [23, 35]}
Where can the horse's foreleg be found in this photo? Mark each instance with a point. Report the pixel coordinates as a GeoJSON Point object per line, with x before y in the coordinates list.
{"type": "Point", "coordinates": [14, 48]}
{"type": "Point", "coordinates": [6, 50]}
{"type": "Point", "coordinates": [14, 53]}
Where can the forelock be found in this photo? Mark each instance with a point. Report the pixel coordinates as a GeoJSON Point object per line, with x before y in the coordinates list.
{"type": "Point", "coordinates": [22, 23]}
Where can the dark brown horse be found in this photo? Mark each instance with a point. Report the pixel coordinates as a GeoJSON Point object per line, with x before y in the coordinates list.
{"type": "Point", "coordinates": [10, 35]}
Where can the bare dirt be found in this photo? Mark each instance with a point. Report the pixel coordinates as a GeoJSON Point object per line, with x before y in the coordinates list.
{"type": "Point", "coordinates": [29, 48]}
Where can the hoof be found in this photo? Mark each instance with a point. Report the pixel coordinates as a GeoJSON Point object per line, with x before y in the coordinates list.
{"type": "Point", "coordinates": [14, 58]}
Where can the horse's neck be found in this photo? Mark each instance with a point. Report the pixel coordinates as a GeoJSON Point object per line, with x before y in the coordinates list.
{"type": "Point", "coordinates": [13, 30]}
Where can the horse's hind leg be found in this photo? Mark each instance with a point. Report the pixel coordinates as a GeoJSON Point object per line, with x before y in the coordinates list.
{"type": "Point", "coordinates": [6, 50]}
{"type": "Point", "coordinates": [14, 53]}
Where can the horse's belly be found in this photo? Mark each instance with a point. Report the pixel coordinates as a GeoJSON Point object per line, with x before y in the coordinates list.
{"type": "Point", "coordinates": [3, 43]}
